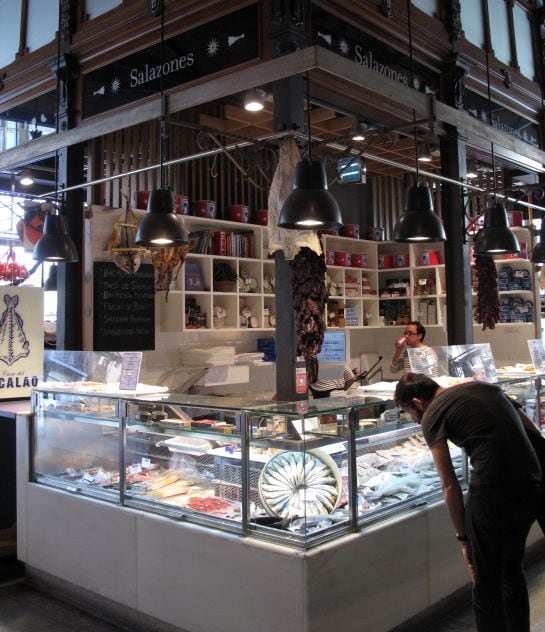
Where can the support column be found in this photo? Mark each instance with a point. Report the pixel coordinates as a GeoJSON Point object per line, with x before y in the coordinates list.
{"type": "Point", "coordinates": [69, 172]}
{"type": "Point", "coordinates": [287, 35]}
{"type": "Point", "coordinates": [457, 266]}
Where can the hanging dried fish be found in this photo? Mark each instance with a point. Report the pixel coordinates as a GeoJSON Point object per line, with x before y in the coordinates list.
{"type": "Point", "coordinates": [309, 303]}
{"type": "Point", "coordinates": [121, 246]}
{"type": "Point", "coordinates": [167, 262]}
{"type": "Point", "coordinates": [488, 298]}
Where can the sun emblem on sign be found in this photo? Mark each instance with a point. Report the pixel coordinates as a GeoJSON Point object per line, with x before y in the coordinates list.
{"type": "Point", "coordinates": [115, 86]}
{"type": "Point", "coordinates": [344, 46]}
{"type": "Point", "coordinates": [213, 47]}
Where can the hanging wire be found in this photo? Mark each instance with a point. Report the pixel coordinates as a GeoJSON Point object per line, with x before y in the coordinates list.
{"type": "Point", "coordinates": [308, 118]}
{"type": "Point", "coordinates": [411, 68]}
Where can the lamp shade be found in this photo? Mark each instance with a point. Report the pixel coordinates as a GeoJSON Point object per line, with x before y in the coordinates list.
{"type": "Point", "coordinates": [253, 100]}
{"type": "Point", "coordinates": [495, 237]}
{"type": "Point", "coordinates": [50, 284]}
{"type": "Point", "coordinates": [55, 244]}
{"type": "Point", "coordinates": [310, 204]}
{"type": "Point", "coordinates": [538, 254]}
{"type": "Point", "coordinates": [418, 222]}
{"type": "Point", "coordinates": [160, 227]}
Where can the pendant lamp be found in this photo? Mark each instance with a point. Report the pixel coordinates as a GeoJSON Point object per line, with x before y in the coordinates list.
{"type": "Point", "coordinates": [55, 243]}
{"type": "Point", "coordinates": [50, 284]}
{"type": "Point", "coordinates": [495, 237]}
{"type": "Point", "coordinates": [310, 204]}
{"type": "Point", "coordinates": [418, 222]}
{"type": "Point", "coordinates": [160, 226]}
{"type": "Point", "coordinates": [538, 254]}
{"type": "Point", "coordinates": [253, 100]}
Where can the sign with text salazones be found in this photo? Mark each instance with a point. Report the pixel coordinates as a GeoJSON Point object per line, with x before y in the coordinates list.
{"type": "Point", "coordinates": [202, 51]}
{"type": "Point", "coordinates": [348, 41]}
{"type": "Point", "coordinates": [21, 340]}
{"type": "Point", "coordinates": [501, 118]}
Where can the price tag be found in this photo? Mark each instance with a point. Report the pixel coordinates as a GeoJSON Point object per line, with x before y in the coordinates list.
{"type": "Point", "coordinates": [87, 478]}
{"type": "Point", "coordinates": [146, 463]}
{"type": "Point", "coordinates": [135, 468]}
{"type": "Point", "coordinates": [130, 370]}
{"type": "Point", "coordinates": [422, 281]}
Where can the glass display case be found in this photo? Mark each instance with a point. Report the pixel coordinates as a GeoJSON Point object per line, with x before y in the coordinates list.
{"type": "Point", "coordinates": [297, 473]}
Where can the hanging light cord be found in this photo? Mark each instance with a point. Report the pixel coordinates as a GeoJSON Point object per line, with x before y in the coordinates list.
{"type": "Point", "coordinates": [162, 124]}
{"type": "Point", "coordinates": [411, 68]}
{"type": "Point", "coordinates": [308, 118]}
{"type": "Point", "coordinates": [489, 95]}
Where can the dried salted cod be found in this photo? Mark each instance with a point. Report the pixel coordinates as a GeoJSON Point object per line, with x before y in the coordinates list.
{"type": "Point", "coordinates": [288, 240]}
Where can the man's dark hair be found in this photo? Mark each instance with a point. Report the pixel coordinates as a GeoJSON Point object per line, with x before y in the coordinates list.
{"type": "Point", "coordinates": [413, 385]}
{"type": "Point", "coordinates": [420, 329]}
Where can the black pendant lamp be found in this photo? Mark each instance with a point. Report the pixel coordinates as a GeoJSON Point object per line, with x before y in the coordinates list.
{"type": "Point", "coordinates": [50, 284]}
{"type": "Point", "coordinates": [310, 205]}
{"type": "Point", "coordinates": [418, 222]}
{"type": "Point", "coordinates": [161, 227]}
{"type": "Point", "coordinates": [495, 237]}
{"type": "Point", "coordinates": [55, 243]}
{"type": "Point", "coordinates": [538, 254]}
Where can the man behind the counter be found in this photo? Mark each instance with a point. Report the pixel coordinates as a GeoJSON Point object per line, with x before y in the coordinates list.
{"type": "Point", "coordinates": [504, 488]}
{"type": "Point", "coordinates": [413, 337]}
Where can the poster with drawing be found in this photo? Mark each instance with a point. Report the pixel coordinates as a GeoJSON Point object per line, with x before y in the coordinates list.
{"type": "Point", "coordinates": [21, 340]}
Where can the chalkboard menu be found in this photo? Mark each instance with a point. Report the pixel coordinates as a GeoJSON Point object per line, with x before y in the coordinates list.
{"type": "Point", "coordinates": [124, 308]}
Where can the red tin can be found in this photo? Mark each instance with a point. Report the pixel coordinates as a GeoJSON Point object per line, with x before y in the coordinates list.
{"type": "Point", "coordinates": [350, 230]}
{"type": "Point", "coordinates": [181, 204]}
{"type": "Point", "coordinates": [262, 217]}
{"type": "Point", "coordinates": [142, 198]}
{"type": "Point", "coordinates": [238, 213]}
{"type": "Point", "coordinates": [205, 208]}
{"type": "Point", "coordinates": [342, 259]}
{"type": "Point", "coordinates": [384, 261]}
{"type": "Point", "coordinates": [357, 260]}
{"type": "Point", "coordinates": [402, 260]}
{"type": "Point", "coordinates": [375, 233]}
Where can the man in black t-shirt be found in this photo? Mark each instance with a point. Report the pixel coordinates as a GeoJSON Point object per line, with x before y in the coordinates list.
{"type": "Point", "coordinates": [504, 488]}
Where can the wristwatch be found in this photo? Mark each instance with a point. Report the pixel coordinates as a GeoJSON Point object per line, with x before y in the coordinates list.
{"type": "Point", "coordinates": [461, 538]}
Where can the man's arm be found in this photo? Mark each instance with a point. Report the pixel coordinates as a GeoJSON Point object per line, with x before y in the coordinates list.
{"type": "Point", "coordinates": [451, 487]}
{"type": "Point", "coordinates": [454, 498]}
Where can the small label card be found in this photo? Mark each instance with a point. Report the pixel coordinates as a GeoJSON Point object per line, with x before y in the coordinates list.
{"type": "Point", "coordinates": [130, 370]}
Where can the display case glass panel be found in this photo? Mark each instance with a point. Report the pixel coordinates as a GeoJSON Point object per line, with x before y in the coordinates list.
{"type": "Point", "coordinates": [76, 442]}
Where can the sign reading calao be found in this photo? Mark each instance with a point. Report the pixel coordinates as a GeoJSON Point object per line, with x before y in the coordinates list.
{"type": "Point", "coordinates": [202, 51]}
{"type": "Point", "coordinates": [21, 340]}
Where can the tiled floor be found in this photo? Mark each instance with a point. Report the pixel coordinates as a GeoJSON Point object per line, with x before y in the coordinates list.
{"type": "Point", "coordinates": [24, 609]}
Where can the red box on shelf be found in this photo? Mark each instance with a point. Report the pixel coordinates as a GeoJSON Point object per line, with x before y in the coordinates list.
{"type": "Point", "coordinates": [205, 208]}
{"type": "Point", "coordinates": [239, 213]}
{"type": "Point", "coordinates": [342, 259]}
{"type": "Point", "coordinates": [429, 258]}
{"type": "Point", "coordinates": [384, 261]}
{"type": "Point", "coordinates": [401, 260]}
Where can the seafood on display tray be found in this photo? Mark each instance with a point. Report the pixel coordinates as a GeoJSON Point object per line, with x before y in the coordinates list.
{"type": "Point", "coordinates": [389, 475]}
{"type": "Point", "coordinates": [297, 484]}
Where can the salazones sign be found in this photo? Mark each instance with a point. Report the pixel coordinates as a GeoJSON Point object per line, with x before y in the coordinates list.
{"type": "Point", "coordinates": [205, 50]}
{"type": "Point", "coordinates": [346, 40]}
{"type": "Point", "coordinates": [501, 118]}
{"type": "Point", "coordinates": [21, 340]}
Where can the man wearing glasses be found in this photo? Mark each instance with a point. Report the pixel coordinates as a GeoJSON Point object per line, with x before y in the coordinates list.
{"type": "Point", "coordinates": [413, 337]}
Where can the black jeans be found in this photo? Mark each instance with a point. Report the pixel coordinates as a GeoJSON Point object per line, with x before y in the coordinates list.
{"type": "Point", "coordinates": [498, 520]}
